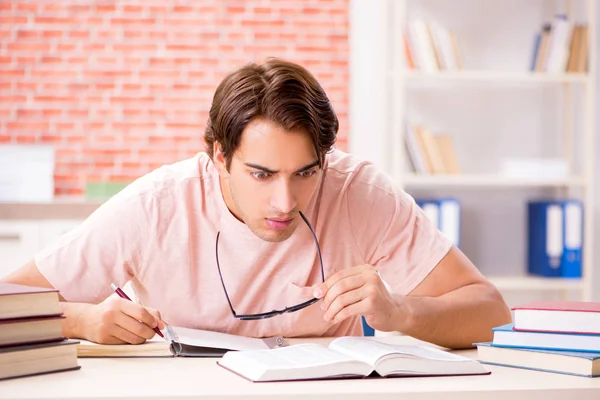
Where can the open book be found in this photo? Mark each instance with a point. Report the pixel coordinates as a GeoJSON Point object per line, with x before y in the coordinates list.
{"type": "Point", "coordinates": [180, 342]}
{"type": "Point", "coordinates": [347, 357]}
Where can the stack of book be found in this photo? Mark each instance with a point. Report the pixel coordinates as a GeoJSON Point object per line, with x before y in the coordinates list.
{"type": "Point", "coordinates": [431, 153]}
{"type": "Point", "coordinates": [552, 336]}
{"type": "Point", "coordinates": [430, 47]}
{"type": "Point", "coordinates": [31, 340]}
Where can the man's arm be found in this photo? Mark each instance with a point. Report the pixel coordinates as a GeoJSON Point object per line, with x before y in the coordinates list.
{"type": "Point", "coordinates": [454, 305]}
{"type": "Point", "coordinates": [113, 321]}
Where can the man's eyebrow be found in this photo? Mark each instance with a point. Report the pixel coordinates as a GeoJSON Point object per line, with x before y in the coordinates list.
{"type": "Point", "coordinates": [270, 171]}
{"type": "Point", "coordinates": [309, 166]}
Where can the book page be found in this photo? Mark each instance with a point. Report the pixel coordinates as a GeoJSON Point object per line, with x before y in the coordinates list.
{"type": "Point", "coordinates": [372, 351]}
{"type": "Point", "coordinates": [301, 355]}
{"type": "Point", "coordinates": [361, 348]}
{"type": "Point", "coordinates": [156, 347]}
{"type": "Point", "coordinates": [301, 361]}
{"type": "Point", "coordinates": [202, 338]}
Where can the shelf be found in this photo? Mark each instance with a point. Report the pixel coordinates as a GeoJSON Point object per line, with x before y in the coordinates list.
{"type": "Point", "coordinates": [58, 207]}
{"type": "Point", "coordinates": [519, 283]}
{"type": "Point", "coordinates": [489, 180]}
{"type": "Point", "coordinates": [490, 77]}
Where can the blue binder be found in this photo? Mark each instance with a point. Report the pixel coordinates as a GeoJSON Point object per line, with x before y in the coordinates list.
{"type": "Point", "coordinates": [445, 214]}
{"type": "Point", "coordinates": [555, 238]}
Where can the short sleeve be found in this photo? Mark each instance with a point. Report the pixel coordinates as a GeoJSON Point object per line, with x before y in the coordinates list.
{"type": "Point", "coordinates": [107, 247]}
{"type": "Point", "coordinates": [392, 232]}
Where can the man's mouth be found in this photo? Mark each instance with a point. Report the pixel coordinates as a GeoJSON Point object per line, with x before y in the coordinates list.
{"type": "Point", "coordinates": [279, 223]}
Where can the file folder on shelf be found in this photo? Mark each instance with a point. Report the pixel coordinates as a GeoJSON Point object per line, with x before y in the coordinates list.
{"type": "Point", "coordinates": [445, 215]}
{"type": "Point", "coordinates": [555, 238]}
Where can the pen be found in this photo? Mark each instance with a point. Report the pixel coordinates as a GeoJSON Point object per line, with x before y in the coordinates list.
{"type": "Point", "coordinates": [124, 296]}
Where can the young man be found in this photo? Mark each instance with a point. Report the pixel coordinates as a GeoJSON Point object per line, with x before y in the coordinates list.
{"type": "Point", "coordinates": [232, 229]}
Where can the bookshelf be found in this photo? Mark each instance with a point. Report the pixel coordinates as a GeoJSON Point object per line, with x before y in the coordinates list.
{"type": "Point", "coordinates": [496, 104]}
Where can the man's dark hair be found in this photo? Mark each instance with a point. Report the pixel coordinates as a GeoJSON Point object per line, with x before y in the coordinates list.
{"type": "Point", "coordinates": [278, 91]}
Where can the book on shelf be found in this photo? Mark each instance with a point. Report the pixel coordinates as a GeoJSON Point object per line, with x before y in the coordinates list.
{"type": "Point", "coordinates": [347, 357]}
{"type": "Point", "coordinates": [506, 336]}
{"type": "Point", "coordinates": [557, 361]}
{"type": "Point", "coordinates": [180, 341]}
{"type": "Point", "coordinates": [561, 46]}
{"type": "Point", "coordinates": [429, 153]}
{"type": "Point", "coordinates": [429, 46]}
{"type": "Point", "coordinates": [558, 316]}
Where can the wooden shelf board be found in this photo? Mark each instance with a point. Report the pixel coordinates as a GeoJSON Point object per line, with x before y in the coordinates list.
{"type": "Point", "coordinates": [487, 180]}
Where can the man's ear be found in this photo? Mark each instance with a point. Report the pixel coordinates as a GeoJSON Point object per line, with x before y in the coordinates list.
{"type": "Point", "coordinates": [219, 160]}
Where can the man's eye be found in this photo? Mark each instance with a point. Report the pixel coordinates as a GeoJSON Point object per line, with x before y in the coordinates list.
{"type": "Point", "coordinates": [307, 174]}
{"type": "Point", "coordinates": [261, 176]}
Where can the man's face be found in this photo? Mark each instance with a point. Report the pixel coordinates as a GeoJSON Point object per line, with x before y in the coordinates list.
{"type": "Point", "coordinates": [273, 175]}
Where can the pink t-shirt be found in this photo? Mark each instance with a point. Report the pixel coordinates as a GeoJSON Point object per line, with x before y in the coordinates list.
{"type": "Point", "coordinates": [159, 233]}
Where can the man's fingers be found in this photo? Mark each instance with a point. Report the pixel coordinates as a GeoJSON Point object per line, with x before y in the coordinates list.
{"type": "Point", "coordinates": [140, 313]}
{"type": "Point", "coordinates": [126, 336]}
{"type": "Point", "coordinates": [134, 326]}
{"type": "Point", "coordinates": [350, 311]}
{"type": "Point", "coordinates": [342, 286]}
{"type": "Point", "coordinates": [323, 288]}
{"type": "Point", "coordinates": [156, 314]}
{"type": "Point", "coordinates": [342, 301]}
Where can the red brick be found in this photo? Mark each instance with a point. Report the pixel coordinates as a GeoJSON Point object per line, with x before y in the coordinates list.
{"type": "Point", "coordinates": [106, 8]}
{"type": "Point", "coordinates": [63, 47]}
{"type": "Point", "coordinates": [56, 20]}
{"type": "Point", "coordinates": [26, 139]}
{"type": "Point", "coordinates": [6, 21]}
{"type": "Point", "coordinates": [27, 126]}
{"type": "Point", "coordinates": [133, 9]}
{"type": "Point", "coordinates": [51, 138]}
{"type": "Point", "coordinates": [132, 21]}
{"type": "Point", "coordinates": [79, 34]}
{"type": "Point", "coordinates": [38, 47]}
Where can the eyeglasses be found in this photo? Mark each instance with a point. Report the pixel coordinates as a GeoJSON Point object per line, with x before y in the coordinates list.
{"type": "Point", "coordinates": [274, 312]}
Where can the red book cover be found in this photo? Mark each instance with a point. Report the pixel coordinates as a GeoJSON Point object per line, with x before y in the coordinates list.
{"type": "Point", "coordinates": [557, 305]}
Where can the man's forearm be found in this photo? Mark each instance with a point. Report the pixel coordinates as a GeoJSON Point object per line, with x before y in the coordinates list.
{"type": "Point", "coordinates": [73, 324]}
{"type": "Point", "coordinates": [455, 320]}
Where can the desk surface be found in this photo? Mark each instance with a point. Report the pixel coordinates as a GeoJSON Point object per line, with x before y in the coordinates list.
{"type": "Point", "coordinates": [198, 378]}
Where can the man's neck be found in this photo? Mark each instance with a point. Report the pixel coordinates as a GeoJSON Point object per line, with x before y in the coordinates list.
{"type": "Point", "coordinates": [228, 198]}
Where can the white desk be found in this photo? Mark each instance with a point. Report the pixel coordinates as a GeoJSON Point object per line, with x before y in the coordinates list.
{"type": "Point", "coordinates": [188, 378]}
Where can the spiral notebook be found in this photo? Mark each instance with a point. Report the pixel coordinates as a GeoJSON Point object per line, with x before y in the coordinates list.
{"type": "Point", "coordinates": [183, 342]}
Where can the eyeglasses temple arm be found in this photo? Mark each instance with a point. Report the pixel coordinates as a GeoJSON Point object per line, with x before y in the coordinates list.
{"type": "Point", "coordinates": [221, 276]}
{"type": "Point", "coordinates": [316, 242]}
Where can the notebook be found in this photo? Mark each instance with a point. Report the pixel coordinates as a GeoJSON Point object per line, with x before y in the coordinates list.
{"type": "Point", "coordinates": [181, 341]}
{"type": "Point", "coordinates": [347, 357]}
{"type": "Point", "coordinates": [19, 301]}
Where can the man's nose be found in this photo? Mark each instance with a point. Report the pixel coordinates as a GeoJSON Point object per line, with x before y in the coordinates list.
{"type": "Point", "coordinates": [283, 199]}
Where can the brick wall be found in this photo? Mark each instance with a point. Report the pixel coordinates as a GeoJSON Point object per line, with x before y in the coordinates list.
{"type": "Point", "coordinates": [121, 88]}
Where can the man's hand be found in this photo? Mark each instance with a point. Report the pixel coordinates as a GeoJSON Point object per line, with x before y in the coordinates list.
{"type": "Point", "coordinates": [119, 321]}
{"type": "Point", "coordinates": [360, 291]}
